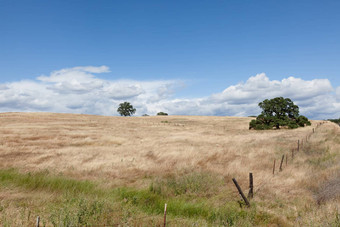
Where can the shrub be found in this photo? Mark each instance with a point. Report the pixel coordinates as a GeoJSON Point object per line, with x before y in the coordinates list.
{"type": "Point", "coordinates": [337, 121]}
{"type": "Point", "coordinates": [162, 113]}
{"type": "Point", "coordinates": [302, 121]}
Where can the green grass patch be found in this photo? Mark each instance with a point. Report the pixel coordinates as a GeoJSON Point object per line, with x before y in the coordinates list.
{"type": "Point", "coordinates": [227, 215]}
{"type": "Point", "coordinates": [81, 203]}
{"type": "Point", "coordinates": [45, 181]}
{"type": "Point", "coordinates": [154, 203]}
{"type": "Point", "coordinates": [197, 184]}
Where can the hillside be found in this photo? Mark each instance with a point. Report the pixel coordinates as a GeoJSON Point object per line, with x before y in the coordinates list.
{"type": "Point", "coordinates": [126, 167]}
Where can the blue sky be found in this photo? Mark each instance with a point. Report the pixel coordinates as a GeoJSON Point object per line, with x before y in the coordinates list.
{"type": "Point", "coordinates": [198, 48]}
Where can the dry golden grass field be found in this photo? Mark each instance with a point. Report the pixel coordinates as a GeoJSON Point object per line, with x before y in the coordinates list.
{"type": "Point", "coordinates": [73, 169]}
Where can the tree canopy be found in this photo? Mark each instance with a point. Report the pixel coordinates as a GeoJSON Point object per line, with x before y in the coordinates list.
{"type": "Point", "coordinates": [162, 113]}
{"type": "Point", "coordinates": [126, 109]}
{"type": "Point", "coordinates": [278, 112]}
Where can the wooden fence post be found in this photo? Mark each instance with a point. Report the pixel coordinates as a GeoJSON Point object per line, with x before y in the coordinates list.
{"type": "Point", "coordinates": [241, 193]}
{"type": "Point", "coordinates": [274, 167]}
{"type": "Point", "coordinates": [283, 156]}
{"type": "Point", "coordinates": [313, 130]}
{"type": "Point", "coordinates": [286, 159]}
{"type": "Point", "coordinates": [298, 145]}
{"type": "Point", "coordinates": [251, 186]}
{"type": "Point", "coordinates": [38, 221]}
{"type": "Point", "coordinates": [292, 153]}
{"type": "Point", "coordinates": [164, 215]}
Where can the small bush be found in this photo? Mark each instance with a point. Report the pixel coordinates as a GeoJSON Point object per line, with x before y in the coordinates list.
{"type": "Point", "coordinates": [162, 114]}
{"type": "Point", "coordinates": [337, 121]}
{"type": "Point", "coordinates": [302, 121]}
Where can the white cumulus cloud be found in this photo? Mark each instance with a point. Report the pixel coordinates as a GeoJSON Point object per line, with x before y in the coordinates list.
{"type": "Point", "coordinates": [79, 90]}
{"type": "Point", "coordinates": [338, 93]}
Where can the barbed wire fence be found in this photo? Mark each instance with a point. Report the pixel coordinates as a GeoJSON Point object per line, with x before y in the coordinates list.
{"type": "Point", "coordinates": [296, 148]}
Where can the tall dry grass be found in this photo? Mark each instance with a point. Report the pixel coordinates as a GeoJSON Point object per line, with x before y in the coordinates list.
{"type": "Point", "coordinates": [128, 148]}
{"type": "Point", "coordinates": [134, 151]}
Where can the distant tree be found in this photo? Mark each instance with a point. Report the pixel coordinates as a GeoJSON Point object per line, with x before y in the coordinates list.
{"type": "Point", "coordinates": [126, 109]}
{"type": "Point", "coordinates": [278, 112]}
{"type": "Point", "coordinates": [337, 121]}
{"type": "Point", "coordinates": [162, 113]}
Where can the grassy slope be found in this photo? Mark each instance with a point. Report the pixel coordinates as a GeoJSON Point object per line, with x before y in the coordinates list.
{"type": "Point", "coordinates": [81, 169]}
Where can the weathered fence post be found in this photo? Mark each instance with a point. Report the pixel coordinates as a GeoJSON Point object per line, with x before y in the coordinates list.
{"type": "Point", "coordinates": [38, 221]}
{"type": "Point", "coordinates": [292, 153]}
{"type": "Point", "coordinates": [164, 215]}
{"type": "Point", "coordinates": [274, 167]}
{"type": "Point", "coordinates": [283, 156]}
{"type": "Point", "coordinates": [251, 186]}
{"type": "Point", "coordinates": [241, 193]}
{"type": "Point", "coordinates": [313, 130]}
{"type": "Point", "coordinates": [298, 146]}
{"type": "Point", "coordinates": [286, 159]}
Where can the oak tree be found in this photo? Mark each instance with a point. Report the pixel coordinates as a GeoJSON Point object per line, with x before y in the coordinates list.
{"type": "Point", "coordinates": [278, 112]}
{"type": "Point", "coordinates": [126, 109]}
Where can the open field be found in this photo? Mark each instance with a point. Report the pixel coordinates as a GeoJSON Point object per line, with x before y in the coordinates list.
{"type": "Point", "coordinates": [82, 169]}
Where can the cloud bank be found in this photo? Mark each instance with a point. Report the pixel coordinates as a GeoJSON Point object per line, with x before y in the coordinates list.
{"type": "Point", "coordinates": [79, 90]}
